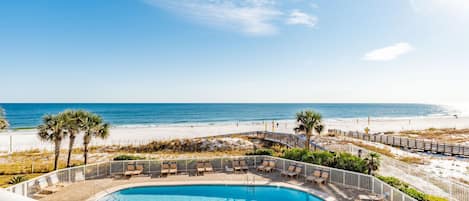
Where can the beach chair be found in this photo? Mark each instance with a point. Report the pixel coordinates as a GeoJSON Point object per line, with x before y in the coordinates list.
{"type": "Point", "coordinates": [270, 167]}
{"type": "Point", "coordinates": [323, 178]}
{"type": "Point", "coordinates": [316, 174]}
{"type": "Point", "coordinates": [236, 166]}
{"type": "Point", "coordinates": [173, 168]}
{"type": "Point", "coordinates": [262, 167]}
{"type": "Point", "coordinates": [54, 180]}
{"type": "Point", "coordinates": [295, 173]}
{"type": "Point", "coordinates": [200, 168]}
{"type": "Point", "coordinates": [79, 176]}
{"type": "Point", "coordinates": [130, 170]}
{"type": "Point", "coordinates": [362, 197]}
{"type": "Point", "coordinates": [43, 186]}
{"type": "Point", "coordinates": [243, 165]}
{"type": "Point", "coordinates": [138, 170]}
{"type": "Point", "coordinates": [228, 169]}
{"type": "Point", "coordinates": [208, 166]}
{"type": "Point", "coordinates": [290, 169]}
{"type": "Point", "coordinates": [164, 169]}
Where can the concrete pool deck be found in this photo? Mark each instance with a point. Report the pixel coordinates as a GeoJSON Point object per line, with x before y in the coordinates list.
{"type": "Point", "coordinates": [91, 190]}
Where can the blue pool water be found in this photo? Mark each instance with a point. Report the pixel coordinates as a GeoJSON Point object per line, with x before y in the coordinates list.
{"type": "Point", "coordinates": [210, 193]}
{"type": "Point", "coordinates": [137, 114]}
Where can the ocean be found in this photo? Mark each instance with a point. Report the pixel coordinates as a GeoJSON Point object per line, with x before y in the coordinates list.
{"type": "Point", "coordinates": [25, 115]}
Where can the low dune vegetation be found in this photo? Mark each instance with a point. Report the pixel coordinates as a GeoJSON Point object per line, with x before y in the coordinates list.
{"type": "Point", "coordinates": [449, 135]}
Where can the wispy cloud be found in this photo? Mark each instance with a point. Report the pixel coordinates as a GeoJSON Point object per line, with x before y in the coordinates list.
{"type": "Point", "coordinates": [388, 53]}
{"type": "Point", "coordinates": [253, 17]}
{"type": "Point", "coordinates": [298, 17]}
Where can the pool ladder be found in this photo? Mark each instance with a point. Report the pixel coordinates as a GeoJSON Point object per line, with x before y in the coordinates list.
{"type": "Point", "coordinates": [253, 180]}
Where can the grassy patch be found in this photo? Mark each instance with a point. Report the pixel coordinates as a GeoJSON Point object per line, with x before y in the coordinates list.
{"type": "Point", "coordinates": [412, 192]}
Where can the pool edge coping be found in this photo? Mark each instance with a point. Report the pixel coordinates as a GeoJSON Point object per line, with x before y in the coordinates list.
{"type": "Point", "coordinates": [324, 196]}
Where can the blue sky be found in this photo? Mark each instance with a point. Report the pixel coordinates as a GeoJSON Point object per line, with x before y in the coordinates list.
{"type": "Point", "coordinates": [234, 51]}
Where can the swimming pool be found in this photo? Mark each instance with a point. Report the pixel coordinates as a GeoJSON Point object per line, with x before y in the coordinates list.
{"type": "Point", "coordinates": [209, 193]}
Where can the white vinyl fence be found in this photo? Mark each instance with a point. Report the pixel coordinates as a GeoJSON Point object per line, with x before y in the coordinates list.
{"type": "Point", "coordinates": [454, 190]}
{"type": "Point", "coordinates": [188, 166]}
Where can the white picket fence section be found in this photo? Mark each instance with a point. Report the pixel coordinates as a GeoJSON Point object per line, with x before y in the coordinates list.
{"type": "Point", "coordinates": [188, 165]}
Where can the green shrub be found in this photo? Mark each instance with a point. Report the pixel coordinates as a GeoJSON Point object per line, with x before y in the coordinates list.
{"type": "Point", "coordinates": [268, 152]}
{"type": "Point", "coordinates": [295, 154]}
{"type": "Point", "coordinates": [127, 157]}
{"type": "Point", "coordinates": [17, 179]}
{"type": "Point", "coordinates": [341, 160]}
{"type": "Point", "coordinates": [412, 192]}
{"type": "Point", "coordinates": [434, 198]}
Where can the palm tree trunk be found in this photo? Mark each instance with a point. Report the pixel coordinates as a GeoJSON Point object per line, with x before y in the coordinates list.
{"type": "Point", "coordinates": [70, 148]}
{"type": "Point", "coordinates": [308, 138]}
{"type": "Point", "coordinates": [85, 152]}
{"type": "Point", "coordinates": [57, 154]}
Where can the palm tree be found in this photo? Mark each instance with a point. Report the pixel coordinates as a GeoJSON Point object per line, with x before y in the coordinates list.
{"type": "Point", "coordinates": [3, 121]}
{"type": "Point", "coordinates": [307, 122]}
{"type": "Point", "coordinates": [52, 129]}
{"type": "Point", "coordinates": [372, 162]}
{"type": "Point", "coordinates": [94, 127]}
{"type": "Point", "coordinates": [73, 125]}
{"type": "Point", "coordinates": [319, 128]}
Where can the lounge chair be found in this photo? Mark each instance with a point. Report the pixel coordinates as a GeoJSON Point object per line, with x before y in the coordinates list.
{"type": "Point", "coordinates": [243, 165]}
{"type": "Point", "coordinates": [295, 173]}
{"type": "Point", "coordinates": [370, 197]}
{"type": "Point", "coordinates": [290, 169]}
{"type": "Point", "coordinates": [139, 169]}
{"type": "Point", "coordinates": [200, 168]}
{"type": "Point", "coordinates": [262, 167]}
{"type": "Point", "coordinates": [323, 178]}
{"type": "Point", "coordinates": [173, 168]}
{"type": "Point", "coordinates": [164, 169]}
{"type": "Point", "coordinates": [133, 170]}
{"type": "Point", "coordinates": [270, 167]}
{"type": "Point", "coordinates": [43, 186]}
{"type": "Point", "coordinates": [54, 180]}
{"type": "Point", "coordinates": [316, 174]}
{"type": "Point", "coordinates": [79, 176]}
{"type": "Point", "coordinates": [130, 170]}
{"type": "Point", "coordinates": [228, 169]}
{"type": "Point", "coordinates": [208, 166]}
{"type": "Point", "coordinates": [236, 165]}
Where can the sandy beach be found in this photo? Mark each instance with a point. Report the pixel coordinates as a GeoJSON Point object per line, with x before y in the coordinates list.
{"type": "Point", "coordinates": [27, 139]}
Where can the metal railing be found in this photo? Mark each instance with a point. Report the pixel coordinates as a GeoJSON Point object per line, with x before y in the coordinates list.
{"type": "Point", "coordinates": [187, 166]}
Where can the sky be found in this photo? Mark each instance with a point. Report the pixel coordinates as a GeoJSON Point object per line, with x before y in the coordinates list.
{"type": "Point", "coordinates": [234, 51]}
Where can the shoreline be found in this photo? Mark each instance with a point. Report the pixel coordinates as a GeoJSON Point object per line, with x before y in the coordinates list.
{"type": "Point", "coordinates": [27, 139]}
{"type": "Point", "coordinates": [259, 122]}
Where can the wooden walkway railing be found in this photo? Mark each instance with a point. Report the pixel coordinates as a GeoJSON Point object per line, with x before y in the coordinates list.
{"type": "Point", "coordinates": [421, 145]}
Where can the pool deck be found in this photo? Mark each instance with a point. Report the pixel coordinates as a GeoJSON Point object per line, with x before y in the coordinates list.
{"type": "Point", "coordinates": [90, 190]}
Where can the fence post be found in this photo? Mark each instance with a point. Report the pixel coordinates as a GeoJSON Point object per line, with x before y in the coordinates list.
{"type": "Point", "coordinates": [372, 184]}
{"type": "Point", "coordinates": [343, 177]}
{"type": "Point", "coordinates": [97, 171]}
{"type": "Point", "coordinates": [149, 166]}
{"type": "Point", "coordinates": [110, 168]}
{"type": "Point", "coordinates": [84, 172]}
{"type": "Point", "coordinates": [359, 182]}
{"type": "Point", "coordinates": [450, 191]}
{"type": "Point", "coordinates": [69, 175]}
{"type": "Point", "coordinates": [25, 189]}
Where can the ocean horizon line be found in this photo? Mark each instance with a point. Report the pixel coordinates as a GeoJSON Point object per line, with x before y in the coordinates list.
{"type": "Point", "coordinates": [26, 115]}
